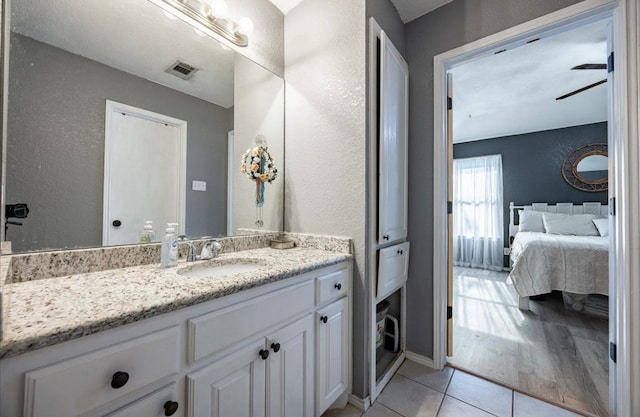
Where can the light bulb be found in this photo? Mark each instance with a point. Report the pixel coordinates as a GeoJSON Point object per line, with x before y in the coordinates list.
{"type": "Point", "coordinates": [245, 26]}
{"type": "Point", "coordinates": [219, 9]}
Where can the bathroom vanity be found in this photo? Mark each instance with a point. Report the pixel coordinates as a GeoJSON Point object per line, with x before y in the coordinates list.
{"type": "Point", "coordinates": [146, 341]}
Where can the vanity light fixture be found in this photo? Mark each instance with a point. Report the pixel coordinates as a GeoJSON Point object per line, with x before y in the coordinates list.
{"type": "Point", "coordinates": [210, 16]}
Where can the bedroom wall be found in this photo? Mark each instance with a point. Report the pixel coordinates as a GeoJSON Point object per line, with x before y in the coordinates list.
{"type": "Point", "coordinates": [531, 165]}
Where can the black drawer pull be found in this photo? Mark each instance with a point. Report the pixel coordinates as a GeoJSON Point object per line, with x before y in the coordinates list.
{"type": "Point", "coordinates": [338, 286]}
{"type": "Point", "coordinates": [385, 237]}
{"type": "Point", "coordinates": [324, 319]}
{"type": "Point", "coordinates": [400, 252]}
{"type": "Point", "coordinates": [170, 408]}
{"type": "Point", "coordinates": [275, 347]}
{"type": "Point", "coordinates": [264, 354]}
{"type": "Point", "coordinates": [119, 379]}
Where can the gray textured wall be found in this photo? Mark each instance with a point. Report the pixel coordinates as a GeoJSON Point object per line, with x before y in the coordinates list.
{"type": "Point", "coordinates": [531, 165]}
{"type": "Point", "coordinates": [448, 27]}
{"type": "Point", "coordinates": [56, 145]}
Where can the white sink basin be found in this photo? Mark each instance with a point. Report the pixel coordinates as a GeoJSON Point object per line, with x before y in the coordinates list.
{"type": "Point", "coordinates": [229, 267]}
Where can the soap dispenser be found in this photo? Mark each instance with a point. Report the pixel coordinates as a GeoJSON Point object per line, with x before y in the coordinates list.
{"type": "Point", "coordinates": [169, 250]}
{"type": "Point", "coordinates": [147, 235]}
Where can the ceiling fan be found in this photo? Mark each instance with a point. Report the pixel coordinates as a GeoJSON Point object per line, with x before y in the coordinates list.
{"type": "Point", "coordinates": [585, 88]}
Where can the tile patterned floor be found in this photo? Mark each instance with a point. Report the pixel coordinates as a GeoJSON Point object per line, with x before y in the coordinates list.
{"type": "Point", "coordinates": [418, 391]}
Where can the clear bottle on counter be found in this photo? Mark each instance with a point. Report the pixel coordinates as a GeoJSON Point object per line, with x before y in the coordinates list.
{"type": "Point", "coordinates": [169, 250]}
{"type": "Point", "coordinates": [147, 235]}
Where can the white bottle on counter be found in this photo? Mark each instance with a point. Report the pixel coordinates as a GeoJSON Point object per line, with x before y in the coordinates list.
{"type": "Point", "coordinates": [147, 235]}
{"type": "Point", "coordinates": [169, 250]}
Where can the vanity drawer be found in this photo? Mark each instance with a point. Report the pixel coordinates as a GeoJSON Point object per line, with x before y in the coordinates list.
{"type": "Point", "coordinates": [221, 329]}
{"type": "Point", "coordinates": [160, 403]}
{"type": "Point", "coordinates": [332, 286]}
{"type": "Point", "coordinates": [79, 385]}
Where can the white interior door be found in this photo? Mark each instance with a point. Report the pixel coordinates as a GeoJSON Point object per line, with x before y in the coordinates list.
{"type": "Point", "coordinates": [145, 162]}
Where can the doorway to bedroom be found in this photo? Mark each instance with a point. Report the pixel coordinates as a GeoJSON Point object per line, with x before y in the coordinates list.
{"type": "Point", "coordinates": [510, 141]}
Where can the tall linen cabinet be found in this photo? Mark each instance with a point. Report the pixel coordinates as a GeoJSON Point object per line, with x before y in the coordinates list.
{"type": "Point", "coordinates": [387, 245]}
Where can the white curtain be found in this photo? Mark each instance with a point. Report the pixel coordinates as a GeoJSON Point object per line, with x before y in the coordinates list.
{"type": "Point", "coordinates": [477, 212]}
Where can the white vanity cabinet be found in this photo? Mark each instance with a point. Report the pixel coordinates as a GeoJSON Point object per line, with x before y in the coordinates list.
{"type": "Point", "coordinates": [277, 350]}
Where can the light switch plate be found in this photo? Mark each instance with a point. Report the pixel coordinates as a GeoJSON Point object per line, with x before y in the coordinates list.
{"type": "Point", "coordinates": [199, 185]}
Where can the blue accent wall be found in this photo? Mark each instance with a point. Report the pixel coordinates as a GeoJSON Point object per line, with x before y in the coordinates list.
{"type": "Point", "coordinates": [531, 164]}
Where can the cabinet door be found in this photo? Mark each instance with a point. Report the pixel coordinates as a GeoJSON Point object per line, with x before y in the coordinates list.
{"type": "Point", "coordinates": [331, 361]}
{"type": "Point", "coordinates": [392, 158]}
{"type": "Point", "coordinates": [290, 370]}
{"type": "Point", "coordinates": [231, 386]}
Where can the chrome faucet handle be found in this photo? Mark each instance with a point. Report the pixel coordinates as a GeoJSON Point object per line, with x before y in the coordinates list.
{"type": "Point", "coordinates": [210, 249]}
{"type": "Point", "coordinates": [191, 254]}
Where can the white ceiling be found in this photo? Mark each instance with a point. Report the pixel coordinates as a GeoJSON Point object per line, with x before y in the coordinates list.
{"type": "Point", "coordinates": [407, 9]}
{"type": "Point", "coordinates": [514, 92]}
{"type": "Point", "coordinates": [133, 36]}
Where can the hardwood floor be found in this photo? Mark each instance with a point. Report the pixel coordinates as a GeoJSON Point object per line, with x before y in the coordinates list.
{"type": "Point", "coordinates": [550, 352]}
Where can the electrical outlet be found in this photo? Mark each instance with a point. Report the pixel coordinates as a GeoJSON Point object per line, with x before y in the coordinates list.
{"type": "Point", "coordinates": [507, 251]}
{"type": "Point", "coordinates": [199, 185]}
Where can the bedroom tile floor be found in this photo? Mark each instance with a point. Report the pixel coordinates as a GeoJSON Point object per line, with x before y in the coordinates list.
{"type": "Point", "coordinates": [417, 390]}
{"type": "Point", "coordinates": [549, 352]}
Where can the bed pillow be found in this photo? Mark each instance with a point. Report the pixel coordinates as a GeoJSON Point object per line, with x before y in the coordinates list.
{"type": "Point", "coordinates": [530, 221]}
{"type": "Point", "coordinates": [569, 224]}
{"type": "Point", "coordinates": [602, 224]}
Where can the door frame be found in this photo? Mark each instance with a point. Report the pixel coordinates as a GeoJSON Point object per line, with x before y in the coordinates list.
{"type": "Point", "coordinates": [113, 106]}
{"type": "Point", "coordinates": [624, 129]}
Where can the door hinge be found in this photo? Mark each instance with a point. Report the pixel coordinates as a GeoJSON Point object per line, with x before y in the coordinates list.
{"type": "Point", "coordinates": [449, 207]}
{"type": "Point", "coordinates": [610, 62]}
{"type": "Point", "coordinates": [449, 312]}
{"type": "Point", "coordinates": [612, 206]}
{"type": "Point", "coordinates": [449, 103]}
{"type": "Point", "coordinates": [613, 351]}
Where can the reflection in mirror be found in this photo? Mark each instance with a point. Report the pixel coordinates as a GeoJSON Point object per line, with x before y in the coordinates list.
{"type": "Point", "coordinates": [586, 168]}
{"type": "Point", "coordinates": [67, 58]}
{"type": "Point", "coordinates": [593, 167]}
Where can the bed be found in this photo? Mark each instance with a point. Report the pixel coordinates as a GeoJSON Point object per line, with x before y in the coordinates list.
{"type": "Point", "coordinates": [561, 247]}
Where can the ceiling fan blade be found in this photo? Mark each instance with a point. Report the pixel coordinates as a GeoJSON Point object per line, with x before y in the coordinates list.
{"type": "Point", "coordinates": [590, 67]}
{"type": "Point", "coordinates": [580, 90]}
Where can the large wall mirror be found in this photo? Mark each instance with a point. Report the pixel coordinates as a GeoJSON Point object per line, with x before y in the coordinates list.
{"type": "Point", "coordinates": [69, 58]}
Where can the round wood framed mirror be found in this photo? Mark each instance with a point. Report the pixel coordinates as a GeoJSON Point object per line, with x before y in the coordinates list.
{"type": "Point", "coordinates": [586, 168]}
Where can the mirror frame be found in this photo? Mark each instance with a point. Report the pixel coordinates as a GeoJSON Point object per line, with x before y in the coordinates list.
{"type": "Point", "coordinates": [571, 174]}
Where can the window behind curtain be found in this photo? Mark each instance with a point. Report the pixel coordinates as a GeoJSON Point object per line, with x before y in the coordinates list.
{"type": "Point", "coordinates": [477, 212]}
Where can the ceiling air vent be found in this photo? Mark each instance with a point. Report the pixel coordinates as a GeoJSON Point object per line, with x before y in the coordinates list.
{"type": "Point", "coordinates": [181, 70]}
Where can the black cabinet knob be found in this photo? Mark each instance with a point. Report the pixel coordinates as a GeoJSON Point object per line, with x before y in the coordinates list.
{"type": "Point", "coordinates": [338, 286]}
{"type": "Point", "coordinates": [324, 319]}
{"type": "Point", "coordinates": [275, 347]}
{"type": "Point", "coordinates": [264, 354]}
{"type": "Point", "coordinates": [119, 379]}
{"type": "Point", "coordinates": [116, 223]}
{"type": "Point", "coordinates": [170, 408]}
{"type": "Point", "coordinates": [385, 237]}
{"type": "Point", "coordinates": [400, 252]}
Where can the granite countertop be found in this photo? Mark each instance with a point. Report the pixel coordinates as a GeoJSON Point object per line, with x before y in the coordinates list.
{"type": "Point", "coordinates": [49, 311]}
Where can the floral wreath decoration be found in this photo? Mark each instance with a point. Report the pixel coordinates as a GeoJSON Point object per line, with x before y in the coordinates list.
{"type": "Point", "coordinates": [257, 164]}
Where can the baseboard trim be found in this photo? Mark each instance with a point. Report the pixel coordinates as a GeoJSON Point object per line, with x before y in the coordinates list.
{"type": "Point", "coordinates": [360, 403]}
{"type": "Point", "coordinates": [422, 360]}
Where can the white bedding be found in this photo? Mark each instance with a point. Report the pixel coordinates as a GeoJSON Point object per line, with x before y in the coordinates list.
{"type": "Point", "coordinates": [544, 262]}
